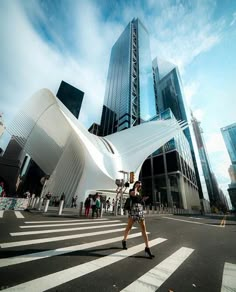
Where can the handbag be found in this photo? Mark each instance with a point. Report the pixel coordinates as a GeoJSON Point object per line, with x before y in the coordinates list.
{"type": "Point", "coordinates": [127, 205]}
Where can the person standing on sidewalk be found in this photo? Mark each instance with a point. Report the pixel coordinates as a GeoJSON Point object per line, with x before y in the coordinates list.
{"type": "Point", "coordinates": [135, 211]}
{"type": "Point", "coordinates": [87, 205]}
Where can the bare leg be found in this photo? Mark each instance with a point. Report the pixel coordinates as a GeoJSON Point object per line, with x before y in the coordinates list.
{"type": "Point", "coordinates": [128, 228]}
{"type": "Point", "coordinates": [144, 232]}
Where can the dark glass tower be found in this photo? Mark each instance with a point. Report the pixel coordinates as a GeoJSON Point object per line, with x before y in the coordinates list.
{"type": "Point", "coordinates": [229, 135]}
{"type": "Point", "coordinates": [129, 92]}
{"type": "Point", "coordinates": [169, 94]}
{"type": "Point", "coordinates": [71, 97]}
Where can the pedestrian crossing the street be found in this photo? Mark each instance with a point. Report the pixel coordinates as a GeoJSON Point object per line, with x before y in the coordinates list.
{"type": "Point", "coordinates": [88, 237]}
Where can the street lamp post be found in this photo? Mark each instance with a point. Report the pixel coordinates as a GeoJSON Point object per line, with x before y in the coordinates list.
{"type": "Point", "coordinates": [121, 185]}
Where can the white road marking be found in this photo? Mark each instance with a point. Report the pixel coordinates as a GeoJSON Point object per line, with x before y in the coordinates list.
{"type": "Point", "coordinates": [61, 277]}
{"type": "Point", "coordinates": [154, 278]}
{"type": "Point", "coordinates": [59, 221]}
{"type": "Point", "coordinates": [187, 221]}
{"type": "Point", "coordinates": [59, 251]}
{"type": "Point", "coordinates": [64, 229]}
{"type": "Point", "coordinates": [58, 238]}
{"type": "Point", "coordinates": [1, 213]}
{"type": "Point", "coordinates": [195, 218]}
{"type": "Point", "coordinates": [18, 214]}
{"type": "Point", "coordinates": [70, 224]}
{"type": "Point", "coordinates": [229, 278]}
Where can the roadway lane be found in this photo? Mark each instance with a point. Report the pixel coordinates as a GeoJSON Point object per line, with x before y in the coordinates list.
{"type": "Point", "coordinates": [75, 254]}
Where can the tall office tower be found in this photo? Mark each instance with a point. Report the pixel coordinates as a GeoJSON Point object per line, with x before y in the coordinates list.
{"type": "Point", "coordinates": [71, 97]}
{"type": "Point", "coordinates": [169, 94]}
{"type": "Point", "coordinates": [229, 135]}
{"type": "Point", "coordinates": [211, 184]}
{"type": "Point", "coordinates": [129, 92]}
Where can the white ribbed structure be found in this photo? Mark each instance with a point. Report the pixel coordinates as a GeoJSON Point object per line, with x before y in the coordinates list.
{"type": "Point", "coordinates": [77, 160]}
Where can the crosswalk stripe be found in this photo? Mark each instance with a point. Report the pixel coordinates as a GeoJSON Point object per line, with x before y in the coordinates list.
{"type": "Point", "coordinates": [59, 278]}
{"type": "Point", "coordinates": [154, 278]}
{"type": "Point", "coordinates": [59, 221]}
{"type": "Point", "coordinates": [58, 238]}
{"type": "Point", "coordinates": [66, 224]}
{"type": "Point", "coordinates": [59, 251]}
{"type": "Point", "coordinates": [18, 214]}
{"type": "Point", "coordinates": [229, 278]}
{"type": "Point", "coordinates": [1, 213]}
{"type": "Point", "coordinates": [64, 229]}
{"type": "Point", "coordinates": [193, 222]}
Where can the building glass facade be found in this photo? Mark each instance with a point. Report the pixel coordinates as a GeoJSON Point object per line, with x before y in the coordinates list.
{"type": "Point", "coordinates": [169, 94]}
{"type": "Point", "coordinates": [71, 97]}
{"type": "Point", "coordinates": [168, 173]}
{"type": "Point", "coordinates": [229, 135]}
{"type": "Point", "coordinates": [129, 90]}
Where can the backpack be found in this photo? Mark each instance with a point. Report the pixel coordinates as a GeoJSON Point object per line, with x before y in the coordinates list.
{"type": "Point", "coordinates": [98, 203]}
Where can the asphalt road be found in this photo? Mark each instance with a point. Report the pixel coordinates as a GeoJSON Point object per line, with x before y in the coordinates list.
{"type": "Point", "coordinates": [67, 253]}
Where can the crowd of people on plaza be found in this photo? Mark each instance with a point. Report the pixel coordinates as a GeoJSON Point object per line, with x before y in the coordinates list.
{"type": "Point", "coordinates": [93, 202]}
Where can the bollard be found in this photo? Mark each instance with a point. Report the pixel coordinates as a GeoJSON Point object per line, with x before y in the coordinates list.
{"type": "Point", "coordinates": [33, 204]}
{"type": "Point", "coordinates": [115, 209]}
{"type": "Point", "coordinates": [36, 202]}
{"type": "Point", "coordinates": [40, 204]}
{"type": "Point", "coordinates": [46, 206]}
{"type": "Point", "coordinates": [60, 207]}
{"type": "Point", "coordinates": [31, 200]}
{"type": "Point", "coordinates": [121, 211]}
{"type": "Point", "coordinates": [80, 208]}
{"type": "Point", "coordinates": [148, 209]}
{"type": "Point", "coordinates": [101, 211]}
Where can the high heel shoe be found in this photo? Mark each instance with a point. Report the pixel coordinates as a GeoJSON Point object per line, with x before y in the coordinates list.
{"type": "Point", "coordinates": [124, 244]}
{"type": "Point", "coordinates": [148, 253]}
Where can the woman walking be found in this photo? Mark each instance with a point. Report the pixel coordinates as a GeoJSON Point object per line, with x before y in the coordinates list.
{"type": "Point", "coordinates": [135, 210]}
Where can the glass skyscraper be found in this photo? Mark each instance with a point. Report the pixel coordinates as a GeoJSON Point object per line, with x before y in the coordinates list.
{"type": "Point", "coordinates": [169, 94]}
{"type": "Point", "coordinates": [129, 92]}
{"type": "Point", "coordinates": [229, 135]}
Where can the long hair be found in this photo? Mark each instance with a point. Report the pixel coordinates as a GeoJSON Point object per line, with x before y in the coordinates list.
{"type": "Point", "coordinates": [133, 188]}
{"type": "Point", "coordinates": [137, 182]}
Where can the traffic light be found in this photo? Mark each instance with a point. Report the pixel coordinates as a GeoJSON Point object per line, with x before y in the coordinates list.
{"type": "Point", "coordinates": [131, 177]}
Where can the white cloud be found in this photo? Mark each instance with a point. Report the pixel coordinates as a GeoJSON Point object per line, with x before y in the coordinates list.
{"type": "Point", "coordinates": [199, 114]}
{"type": "Point", "coordinates": [214, 143]}
{"type": "Point", "coordinates": [219, 159]}
{"type": "Point", "coordinates": [30, 63]}
{"type": "Point", "coordinates": [190, 90]}
{"type": "Point", "coordinates": [181, 32]}
{"type": "Point", "coordinates": [234, 19]}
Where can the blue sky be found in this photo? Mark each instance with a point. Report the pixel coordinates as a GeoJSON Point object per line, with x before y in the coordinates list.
{"type": "Point", "coordinates": [44, 42]}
